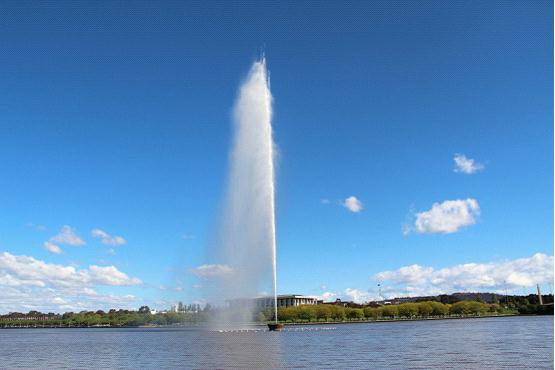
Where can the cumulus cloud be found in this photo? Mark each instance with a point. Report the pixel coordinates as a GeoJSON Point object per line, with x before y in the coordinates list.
{"type": "Point", "coordinates": [466, 165]}
{"type": "Point", "coordinates": [52, 248]}
{"type": "Point", "coordinates": [413, 274]}
{"type": "Point", "coordinates": [328, 296]}
{"type": "Point", "coordinates": [67, 235]}
{"type": "Point", "coordinates": [106, 238]}
{"type": "Point", "coordinates": [445, 218]}
{"type": "Point", "coordinates": [110, 275]}
{"type": "Point", "coordinates": [212, 271]}
{"type": "Point", "coordinates": [418, 280]}
{"type": "Point", "coordinates": [353, 204]}
{"type": "Point", "coordinates": [357, 296]}
{"type": "Point", "coordinates": [28, 283]}
{"type": "Point", "coordinates": [28, 269]}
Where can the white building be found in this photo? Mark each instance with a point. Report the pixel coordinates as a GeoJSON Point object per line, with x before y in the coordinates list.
{"type": "Point", "coordinates": [287, 300]}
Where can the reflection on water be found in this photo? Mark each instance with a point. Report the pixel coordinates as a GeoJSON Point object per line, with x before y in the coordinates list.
{"type": "Point", "coordinates": [516, 342]}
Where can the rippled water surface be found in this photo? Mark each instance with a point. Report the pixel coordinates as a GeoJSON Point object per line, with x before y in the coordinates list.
{"type": "Point", "coordinates": [511, 342]}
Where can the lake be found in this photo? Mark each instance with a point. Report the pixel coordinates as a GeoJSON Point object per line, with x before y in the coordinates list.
{"type": "Point", "coordinates": [509, 342]}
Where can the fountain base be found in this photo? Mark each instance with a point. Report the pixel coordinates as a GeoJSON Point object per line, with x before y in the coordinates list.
{"type": "Point", "coordinates": [275, 327]}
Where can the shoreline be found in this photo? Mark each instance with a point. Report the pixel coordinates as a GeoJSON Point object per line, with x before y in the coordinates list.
{"type": "Point", "coordinates": [265, 324]}
{"type": "Point", "coordinates": [400, 320]}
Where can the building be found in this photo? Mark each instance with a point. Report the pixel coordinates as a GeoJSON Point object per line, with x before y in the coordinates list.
{"type": "Point", "coordinates": [287, 300]}
{"type": "Point", "coordinates": [339, 302]}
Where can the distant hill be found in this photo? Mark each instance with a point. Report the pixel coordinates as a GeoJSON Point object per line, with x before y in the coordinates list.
{"type": "Point", "coordinates": [472, 296]}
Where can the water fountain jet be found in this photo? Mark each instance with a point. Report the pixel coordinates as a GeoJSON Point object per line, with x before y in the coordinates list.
{"type": "Point", "coordinates": [247, 236]}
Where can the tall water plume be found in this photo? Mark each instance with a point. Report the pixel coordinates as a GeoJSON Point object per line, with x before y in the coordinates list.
{"type": "Point", "coordinates": [247, 237]}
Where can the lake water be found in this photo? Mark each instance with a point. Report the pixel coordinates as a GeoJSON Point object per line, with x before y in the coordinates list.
{"type": "Point", "coordinates": [510, 342]}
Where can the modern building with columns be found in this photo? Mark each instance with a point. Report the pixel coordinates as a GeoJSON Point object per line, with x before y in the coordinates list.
{"type": "Point", "coordinates": [285, 301]}
{"type": "Point", "coordinates": [289, 300]}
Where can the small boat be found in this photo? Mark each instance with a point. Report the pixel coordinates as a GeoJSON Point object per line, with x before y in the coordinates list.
{"type": "Point", "coordinates": [275, 326]}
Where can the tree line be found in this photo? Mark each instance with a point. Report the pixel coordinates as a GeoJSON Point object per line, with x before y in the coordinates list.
{"type": "Point", "coordinates": [328, 312]}
{"type": "Point", "coordinates": [112, 318]}
{"type": "Point", "coordinates": [296, 314]}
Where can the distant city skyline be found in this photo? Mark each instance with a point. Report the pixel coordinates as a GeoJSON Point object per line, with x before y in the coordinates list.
{"type": "Point", "coordinates": [415, 148]}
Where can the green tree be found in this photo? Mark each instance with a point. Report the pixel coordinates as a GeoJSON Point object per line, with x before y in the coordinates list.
{"type": "Point", "coordinates": [355, 314]}
{"type": "Point", "coordinates": [477, 308]}
{"type": "Point", "coordinates": [338, 313]}
{"type": "Point", "coordinates": [439, 309]}
{"type": "Point", "coordinates": [390, 311]}
{"type": "Point", "coordinates": [160, 319]}
{"type": "Point", "coordinates": [323, 312]}
{"type": "Point", "coordinates": [370, 313]}
{"type": "Point", "coordinates": [425, 309]}
{"type": "Point", "coordinates": [144, 309]}
{"type": "Point", "coordinates": [282, 314]}
{"type": "Point", "coordinates": [307, 313]}
{"type": "Point", "coordinates": [460, 308]}
{"type": "Point", "coordinates": [408, 310]}
{"type": "Point", "coordinates": [494, 307]}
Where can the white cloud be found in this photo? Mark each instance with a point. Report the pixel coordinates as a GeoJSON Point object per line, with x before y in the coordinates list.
{"type": "Point", "coordinates": [328, 296]}
{"type": "Point", "coordinates": [466, 165]}
{"type": "Point", "coordinates": [106, 238]}
{"type": "Point", "coordinates": [356, 295]}
{"type": "Point", "coordinates": [29, 269]}
{"type": "Point", "coordinates": [418, 280]}
{"type": "Point", "coordinates": [413, 274]}
{"type": "Point", "coordinates": [28, 283]}
{"type": "Point", "coordinates": [110, 275]}
{"type": "Point", "coordinates": [28, 298]}
{"type": "Point", "coordinates": [59, 300]}
{"type": "Point", "coordinates": [212, 271]}
{"type": "Point", "coordinates": [67, 236]}
{"type": "Point", "coordinates": [445, 218]}
{"type": "Point", "coordinates": [52, 248]}
{"type": "Point", "coordinates": [324, 201]}
{"type": "Point", "coordinates": [353, 204]}
{"type": "Point", "coordinates": [188, 236]}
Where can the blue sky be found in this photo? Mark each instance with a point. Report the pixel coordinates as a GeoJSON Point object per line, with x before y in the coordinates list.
{"type": "Point", "coordinates": [116, 116]}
